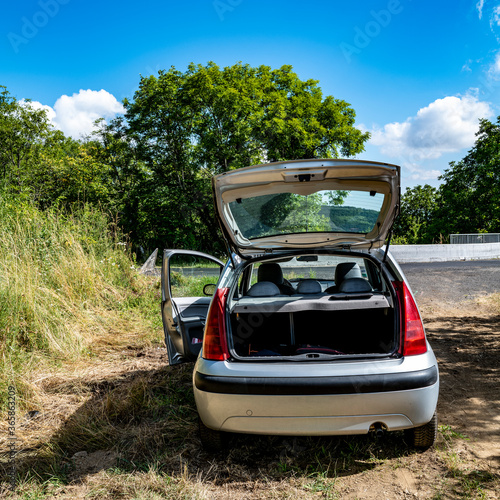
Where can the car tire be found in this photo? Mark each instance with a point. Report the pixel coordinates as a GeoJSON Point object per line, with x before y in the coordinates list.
{"type": "Point", "coordinates": [211, 440]}
{"type": "Point", "coordinates": [423, 437]}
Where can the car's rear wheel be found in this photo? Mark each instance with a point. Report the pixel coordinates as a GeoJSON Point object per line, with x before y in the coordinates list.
{"type": "Point", "coordinates": [424, 436]}
{"type": "Point", "coordinates": [211, 440]}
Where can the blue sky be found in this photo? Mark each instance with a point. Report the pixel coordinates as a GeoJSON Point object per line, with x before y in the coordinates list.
{"type": "Point", "coordinates": [419, 74]}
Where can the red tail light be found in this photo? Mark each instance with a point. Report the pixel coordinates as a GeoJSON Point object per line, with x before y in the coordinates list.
{"type": "Point", "coordinates": [413, 334]}
{"type": "Point", "coordinates": [214, 340]}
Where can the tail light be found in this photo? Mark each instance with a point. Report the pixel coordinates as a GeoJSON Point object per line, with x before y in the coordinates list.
{"type": "Point", "coordinates": [214, 340]}
{"type": "Point", "coordinates": [413, 334]}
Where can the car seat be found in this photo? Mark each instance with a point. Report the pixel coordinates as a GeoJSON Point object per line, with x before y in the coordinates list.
{"type": "Point", "coordinates": [272, 272]}
{"type": "Point", "coordinates": [344, 270]}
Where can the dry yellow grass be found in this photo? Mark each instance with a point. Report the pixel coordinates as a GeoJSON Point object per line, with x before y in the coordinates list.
{"type": "Point", "coordinates": [67, 290]}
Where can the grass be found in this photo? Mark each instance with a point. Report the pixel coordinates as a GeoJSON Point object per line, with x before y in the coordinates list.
{"type": "Point", "coordinates": [190, 286]}
{"type": "Point", "coordinates": [467, 481]}
{"type": "Point", "coordinates": [68, 288]}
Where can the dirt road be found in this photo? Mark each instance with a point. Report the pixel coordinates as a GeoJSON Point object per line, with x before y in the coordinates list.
{"type": "Point", "coordinates": [464, 331]}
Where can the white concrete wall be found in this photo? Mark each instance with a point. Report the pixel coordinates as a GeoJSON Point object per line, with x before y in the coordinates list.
{"type": "Point", "coordinates": [443, 253]}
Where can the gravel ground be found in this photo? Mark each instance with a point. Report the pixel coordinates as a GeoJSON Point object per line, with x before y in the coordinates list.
{"type": "Point", "coordinates": [453, 282]}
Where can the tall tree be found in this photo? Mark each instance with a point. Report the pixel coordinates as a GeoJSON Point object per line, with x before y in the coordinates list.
{"type": "Point", "coordinates": [23, 130]}
{"type": "Point", "coordinates": [190, 126]}
{"type": "Point", "coordinates": [470, 193]}
{"type": "Point", "coordinates": [417, 212]}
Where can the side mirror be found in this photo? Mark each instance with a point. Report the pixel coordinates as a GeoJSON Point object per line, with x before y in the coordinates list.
{"type": "Point", "coordinates": [209, 289]}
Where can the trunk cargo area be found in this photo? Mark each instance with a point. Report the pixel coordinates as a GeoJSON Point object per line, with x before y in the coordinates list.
{"type": "Point", "coordinates": [288, 327]}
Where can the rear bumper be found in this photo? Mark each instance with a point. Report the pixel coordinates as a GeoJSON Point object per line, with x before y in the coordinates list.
{"type": "Point", "coordinates": [281, 386]}
{"type": "Point", "coordinates": [332, 405]}
{"type": "Point", "coordinates": [316, 415]}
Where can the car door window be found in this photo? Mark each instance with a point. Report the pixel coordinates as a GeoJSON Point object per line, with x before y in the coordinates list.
{"type": "Point", "coordinates": [185, 305]}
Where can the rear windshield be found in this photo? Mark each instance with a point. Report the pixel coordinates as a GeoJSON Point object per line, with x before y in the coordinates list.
{"type": "Point", "coordinates": [323, 211]}
{"type": "Point", "coordinates": [321, 268]}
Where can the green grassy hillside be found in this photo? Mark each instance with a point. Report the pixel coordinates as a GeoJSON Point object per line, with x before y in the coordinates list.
{"type": "Point", "coordinates": [68, 287]}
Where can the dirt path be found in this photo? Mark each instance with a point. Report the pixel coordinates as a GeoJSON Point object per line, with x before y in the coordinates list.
{"type": "Point", "coordinates": [464, 330]}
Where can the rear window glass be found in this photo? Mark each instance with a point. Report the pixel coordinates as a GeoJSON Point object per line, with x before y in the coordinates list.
{"type": "Point", "coordinates": [323, 211]}
{"type": "Point", "coordinates": [318, 267]}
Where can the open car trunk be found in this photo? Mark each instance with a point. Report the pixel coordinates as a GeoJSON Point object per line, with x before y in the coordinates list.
{"type": "Point", "coordinates": [318, 327]}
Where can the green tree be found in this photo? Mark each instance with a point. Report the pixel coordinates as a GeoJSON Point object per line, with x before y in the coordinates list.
{"type": "Point", "coordinates": [470, 193]}
{"type": "Point", "coordinates": [127, 179]}
{"type": "Point", "coordinates": [417, 213]}
{"type": "Point", "coordinates": [23, 130]}
{"type": "Point", "coordinates": [190, 126]}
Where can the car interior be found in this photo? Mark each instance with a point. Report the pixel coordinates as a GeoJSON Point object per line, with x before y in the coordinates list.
{"type": "Point", "coordinates": [346, 312]}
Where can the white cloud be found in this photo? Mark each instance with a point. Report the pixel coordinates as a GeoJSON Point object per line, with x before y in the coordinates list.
{"type": "Point", "coordinates": [444, 126]}
{"type": "Point", "coordinates": [75, 115]}
{"type": "Point", "coordinates": [479, 7]}
{"type": "Point", "coordinates": [495, 17]}
{"type": "Point", "coordinates": [494, 69]}
{"type": "Point", "coordinates": [417, 173]}
{"type": "Point", "coordinates": [466, 66]}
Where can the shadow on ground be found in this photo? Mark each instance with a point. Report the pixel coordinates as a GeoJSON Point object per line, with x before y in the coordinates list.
{"type": "Point", "coordinates": [468, 352]}
{"type": "Point", "coordinates": [147, 419]}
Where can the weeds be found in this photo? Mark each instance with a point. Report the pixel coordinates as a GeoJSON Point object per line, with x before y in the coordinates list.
{"type": "Point", "coordinates": [469, 482]}
{"type": "Point", "coordinates": [449, 434]}
{"type": "Point", "coordinates": [66, 286]}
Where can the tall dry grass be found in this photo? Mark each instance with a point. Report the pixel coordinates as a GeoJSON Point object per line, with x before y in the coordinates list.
{"type": "Point", "coordinates": [68, 287]}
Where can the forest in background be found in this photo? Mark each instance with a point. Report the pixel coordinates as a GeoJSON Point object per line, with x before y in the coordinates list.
{"type": "Point", "coordinates": [149, 171]}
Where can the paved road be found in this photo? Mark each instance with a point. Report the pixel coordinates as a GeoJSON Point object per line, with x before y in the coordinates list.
{"type": "Point", "coordinates": [442, 281]}
{"type": "Point", "coordinates": [458, 265]}
{"type": "Point", "coordinates": [453, 281]}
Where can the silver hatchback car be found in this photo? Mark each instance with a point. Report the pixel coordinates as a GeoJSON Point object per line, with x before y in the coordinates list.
{"type": "Point", "coordinates": [312, 328]}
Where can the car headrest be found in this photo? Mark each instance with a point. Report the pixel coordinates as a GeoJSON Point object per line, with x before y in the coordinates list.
{"type": "Point", "coordinates": [263, 289]}
{"type": "Point", "coordinates": [346, 270]}
{"type": "Point", "coordinates": [270, 272]}
{"type": "Point", "coordinates": [359, 285]}
{"type": "Point", "coordinates": [309, 286]}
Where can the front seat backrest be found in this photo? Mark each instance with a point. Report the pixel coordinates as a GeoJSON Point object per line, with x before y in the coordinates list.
{"type": "Point", "coordinates": [355, 285]}
{"type": "Point", "coordinates": [346, 270]}
{"type": "Point", "coordinates": [272, 272]}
